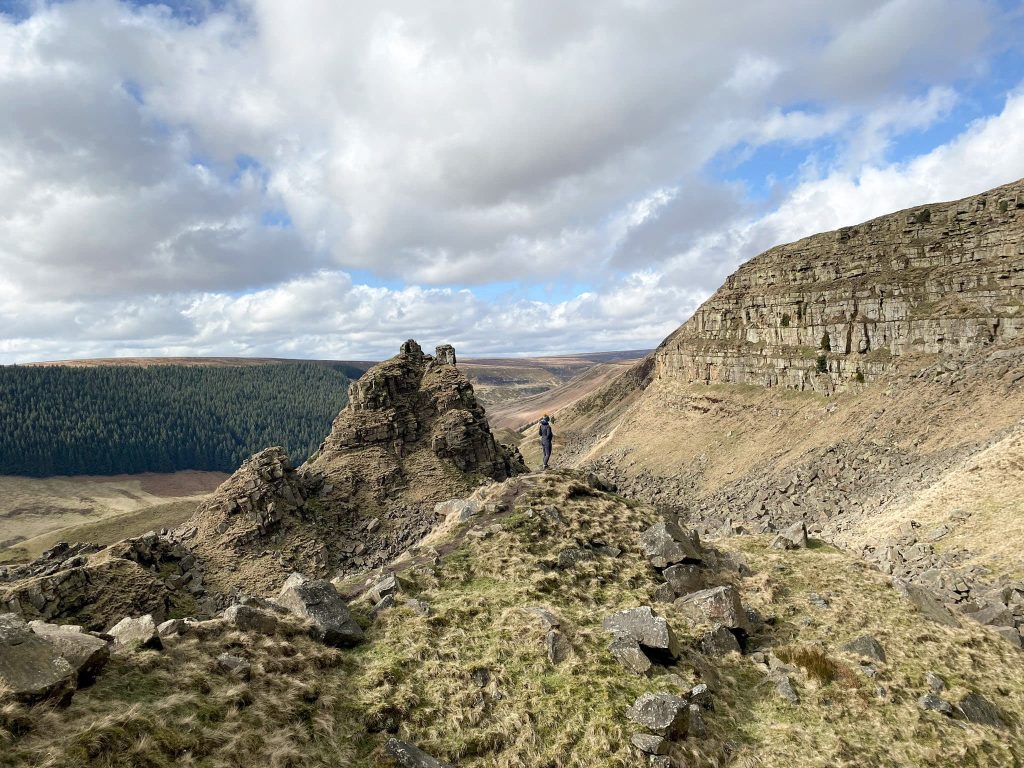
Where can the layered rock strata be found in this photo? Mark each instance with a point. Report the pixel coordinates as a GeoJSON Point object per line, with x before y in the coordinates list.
{"type": "Point", "coordinates": [836, 308]}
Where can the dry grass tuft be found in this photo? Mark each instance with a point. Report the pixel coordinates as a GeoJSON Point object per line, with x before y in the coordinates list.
{"type": "Point", "coordinates": [816, 663]}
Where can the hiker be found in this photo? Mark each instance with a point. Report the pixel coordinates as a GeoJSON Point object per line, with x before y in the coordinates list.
{"type": "Point", "coordinates": [546, 435]}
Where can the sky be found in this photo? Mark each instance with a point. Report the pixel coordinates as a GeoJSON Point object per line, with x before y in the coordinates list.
{"type": "Point", "coordinates": [326, 178]}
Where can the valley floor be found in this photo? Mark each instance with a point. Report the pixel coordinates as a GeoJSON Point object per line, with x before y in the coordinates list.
{"type": "Point", "coordinates": [36, 513]}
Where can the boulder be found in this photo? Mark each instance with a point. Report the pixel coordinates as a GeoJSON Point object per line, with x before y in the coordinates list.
{"type": "Point", "coordinates": [666, 544]}
{"type": "Point", "coordinates": [1009, 634]}
{"type": "Point", "coordinates": [700, 695]}
{"type": "Point", "coordinates": [718, 605]}
{"type": "Point", "coordinates": [384, 588]}
{"type": "Point", "coordinates": [975, 708]}
{"type": "Point", "coordinates": [136, 633]}
{"type": "Point", "coordinates": [931, 702]}
{"type": "Point", "coordinates": [663, 593]}
{"type": "Point", "coordinates": [794, 537]}
{"type": "Point", "coordinates": [866, 646]}
{"type": "Point", "coordinates": [418, 606]}
{"type": "Point", "coordinates": [572, 556]}
{"type": "Point", "coordinates": [318, 602]}
{"type": "Point", "coordinates": [250, 619]}
{"type": "Point", "coordinates": [641, 625]}
{"type": "Point", "coordinates": [697, 729]}
{"type": "Point", "coordinates": [87, 654]}
{"type": "Point", "coordinates": [557, 645]}
{"type": "Point", "coordinates": [993, 616]}
{"type": "Point", "coordinates": [388, 601]}
{"type": "Point", "coordinates": [784, 686]}
{"type": "Point", "coordinates": [408, 756]}
{"type": "Point", "coordinates": [546, 617]}
{"type": "Point", "coordinates": [684, 578]}
{"type": "Point", "coordinates": [463, 509]}
{"type": "Point", "coordinates": [629, 654]}
{"type": "Point", "coordinates": [31, 666]}
{"type": "Point", "coordinates": [664, 714]}
{"type": "Point", "coordinates": [718, 642]}
{"type": "Point", "coordinates": [935, 683]}
{"type": "Point", "coordinates": [649, 743]}
{"type": "Point", "coordinates": [171, 628]}
{"type": "Point", "coordinates": [234, 666]}
{"type": "Point", "coordinates": [926, 603]}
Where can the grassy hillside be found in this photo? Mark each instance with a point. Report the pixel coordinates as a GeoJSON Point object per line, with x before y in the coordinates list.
{"type": "Point", "coordinates": [468, 678]}
{"type": "Point", "coordinates": [36, 513]}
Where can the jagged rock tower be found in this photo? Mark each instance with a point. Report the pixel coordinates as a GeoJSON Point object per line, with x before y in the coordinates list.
{"type": "Point", "coordinates": [412, 435]}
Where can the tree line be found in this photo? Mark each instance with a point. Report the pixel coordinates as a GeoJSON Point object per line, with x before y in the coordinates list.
{"type": "Point", "coordinates": [106, 420]}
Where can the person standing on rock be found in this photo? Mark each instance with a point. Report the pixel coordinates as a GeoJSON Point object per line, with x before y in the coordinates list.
{"type": "Point", "coordinates": [546, 436]}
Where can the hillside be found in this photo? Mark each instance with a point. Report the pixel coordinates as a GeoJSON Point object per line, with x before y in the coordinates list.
{"type": "Point", "coordinates": [492, 651]}
{"type": "Point", "coordinates": [514, 414]}
{"type": "Point", "coordinates": [112, 420]}
{"type": "Point", "coordinates": [37, 513]}
{"type": "Point", "coordinates": [899, 442]}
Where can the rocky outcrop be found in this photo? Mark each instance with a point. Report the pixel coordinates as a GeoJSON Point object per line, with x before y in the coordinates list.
{"type": "Point", "coordinates": [837, 308]}
{"type": "Point", "coordinates": [410, 403]}
{"type": "Point", "coordinates": [319, 603]}
{"type": "Point", "coordinates": [30, 666]}
{"type": "Point", "coordinates": [252, 502]}
{"type": "Point", "coordinates": [94, 586]}
{"type": "Point", "coordinates": [412, 436]}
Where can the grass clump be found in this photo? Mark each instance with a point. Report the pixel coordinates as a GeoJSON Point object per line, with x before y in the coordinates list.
{"type": "Point", "coordinates": [817, 664]}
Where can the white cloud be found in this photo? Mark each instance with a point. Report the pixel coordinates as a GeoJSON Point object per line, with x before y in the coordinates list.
{"type": "Point", "coordinates": [444, 145]}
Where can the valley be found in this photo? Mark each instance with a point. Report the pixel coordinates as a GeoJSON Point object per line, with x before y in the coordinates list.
{"type": "Point", "coordinates": [787, 536]}
{"type": "Point", "coordinates": [36, 513]}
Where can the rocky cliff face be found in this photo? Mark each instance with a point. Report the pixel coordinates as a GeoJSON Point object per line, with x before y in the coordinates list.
{"type": "Point", "coordinates": [837, 308]}
{"type": "Point", "coordinates": [411, 436]}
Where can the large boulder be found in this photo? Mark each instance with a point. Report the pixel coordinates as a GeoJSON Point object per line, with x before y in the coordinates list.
{"type": "Point", "coordinates": [718, 605]}
{"type": "Point", "coordinates": [684, 578]}
{"type": "Point", "coordinates": [30, 666]}
{"type": "Point", "coordinates": [666, 544]}
{"type": "Point", "coordinates": [664, 714]}
{"type": "Point", "coordinates": [641, 625]}
{"type": "Point", "coordinates": [977, 709]}
{"type": "Point", "coordinates": [408, 756]}
{"type": "Point", "coordinates": [318, 602]}
{"type": "Point", "coordinates": [794, 537]}
{"type": "Point", "coordinates": [249, 618]}
{"type": "Point", "coordinates": [866, 646]}
{"type": "Point", "coordinates": [87, 654]}
{"type": "Point", "coordinates": [136, 633]}
{"type": "Point", "coordinates": [993, 616]}
{"type": "Point", "coordinates": [719, 641]}
{"type": "Point", "coordinates": [630, 655]}
{"type": "Point", "coordinates": [926, 603]}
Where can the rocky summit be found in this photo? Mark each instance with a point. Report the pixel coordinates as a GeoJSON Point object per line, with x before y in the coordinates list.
{"type": "Point", "coordinates": [788, 537]}
{"type": "Point", "coordinates": [411, 436]}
